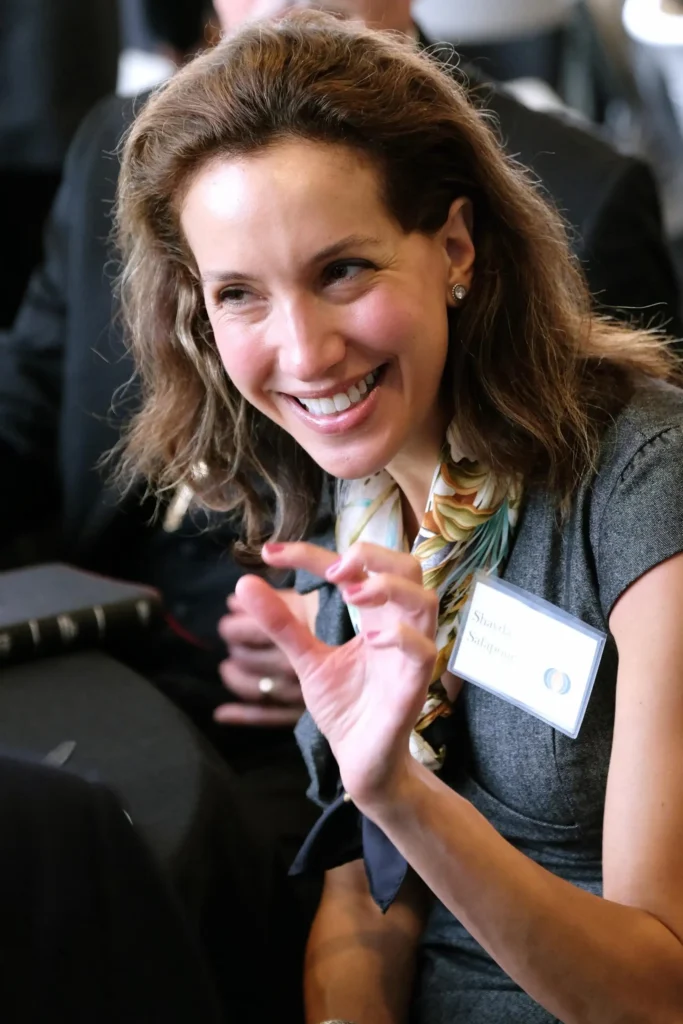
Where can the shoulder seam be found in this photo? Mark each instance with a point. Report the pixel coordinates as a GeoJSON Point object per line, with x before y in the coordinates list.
{"type": "Point", "coordinates": [645, 440]}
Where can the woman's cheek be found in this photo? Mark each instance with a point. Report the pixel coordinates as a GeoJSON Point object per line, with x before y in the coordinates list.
{"type": "Point", "coordinates": [238, 357]}
{"type": "Point", "coordinates": [382, 321]}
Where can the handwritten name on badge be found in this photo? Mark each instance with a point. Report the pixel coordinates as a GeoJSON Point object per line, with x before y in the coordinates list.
{"type": "Point", "coordinates": [528, 652]}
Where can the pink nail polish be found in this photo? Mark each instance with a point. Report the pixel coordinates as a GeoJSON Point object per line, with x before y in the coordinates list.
{"type": "Point", "coordinates": [353, 589]}
{"type": "Point", "coordinates": [273, 549]}
{"type": "Point", "coordinates": [333, 569]}
{"type": "Point", "coordinates": [372, 634]}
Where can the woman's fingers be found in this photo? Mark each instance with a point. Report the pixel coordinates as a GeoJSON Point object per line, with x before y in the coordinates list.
{"type": "Point", "coordinates": [239, 629]}
{"type": "Point", "coordinates": [257, 715]}
{"type": "Point", "coordinates": [384, 588]}
{"type": "Point", "coordinates": [362, 558]}
{"type": "Point", "coordinates": [246, 685]}
{"type": "Point", "coordinates": [355, 564]}
{"type": "Point", "coordinates": [412, 643]}
{"type": "Point", "coordinates": [299, 555]}
{"type": "Point", "coordinates": [262, 661]}
{"type": "Point", "coordinates": [293, 637]}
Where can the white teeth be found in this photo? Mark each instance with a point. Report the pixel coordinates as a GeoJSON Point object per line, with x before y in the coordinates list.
{"type": "Point", "coordinates": [341, 401]}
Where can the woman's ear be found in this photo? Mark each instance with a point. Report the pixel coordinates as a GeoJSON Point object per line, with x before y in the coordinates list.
{"type": "Point", "coordinates": [456, 237]}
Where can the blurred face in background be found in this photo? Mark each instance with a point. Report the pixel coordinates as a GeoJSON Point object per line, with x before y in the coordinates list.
{"type": "Point", "coordinates": [381, 14]}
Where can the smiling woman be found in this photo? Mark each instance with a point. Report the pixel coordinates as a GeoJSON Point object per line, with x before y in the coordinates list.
{"type": "Point", "coordinates": [395, 178]}
{"type": "Point", "coordinates": [331, 271]}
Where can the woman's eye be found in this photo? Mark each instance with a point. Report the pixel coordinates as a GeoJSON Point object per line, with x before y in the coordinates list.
{"type": "Point", "coordinates": [232, 296]}
{"type": "Point", "coordinates": [345, 270]}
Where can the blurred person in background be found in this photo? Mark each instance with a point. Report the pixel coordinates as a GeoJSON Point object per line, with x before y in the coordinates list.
{"type": "Point", "coordinates": [56, 60]}
{"type": "Point", "coordinates": [179, 27]}
{"type": "Point", "coordinates": [655, 34]}
{"type": "Point", "coordinates": [60, 370]}
{"type": "Point", "coordinates": [64, 401]}
{"type": "Point", "coordinates": [157, 37]}
{"type": "Point", "coordinates": [507, 38]}
{"type": "Point", "coordinates": [554, 44]}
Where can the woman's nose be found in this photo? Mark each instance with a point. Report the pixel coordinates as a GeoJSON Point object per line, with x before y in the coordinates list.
{"type": "Point", "coordinates": [309, 341]}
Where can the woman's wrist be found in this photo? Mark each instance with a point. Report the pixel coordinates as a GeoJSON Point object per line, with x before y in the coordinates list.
{"type": "Point", "coordinates": [393, 797]}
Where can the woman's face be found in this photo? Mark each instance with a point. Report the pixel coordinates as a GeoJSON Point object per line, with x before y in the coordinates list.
{"type": "Point", "coordinates": [328, 318]}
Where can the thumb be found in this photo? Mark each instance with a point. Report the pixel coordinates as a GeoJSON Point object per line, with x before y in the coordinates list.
{"type": "Point", "coordinates": [277, 620]}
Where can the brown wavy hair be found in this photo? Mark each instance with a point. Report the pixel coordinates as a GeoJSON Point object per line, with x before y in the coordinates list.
{"type": "Point", "coordinates": [532, 376]}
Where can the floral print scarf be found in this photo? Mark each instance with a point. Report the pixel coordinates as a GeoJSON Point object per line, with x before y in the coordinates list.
{"type": "Point", "coordinates": [467, 526]}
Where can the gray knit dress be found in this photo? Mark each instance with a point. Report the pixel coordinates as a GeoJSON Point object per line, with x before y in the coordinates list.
{"type": "Point", "coordinates": [544, 792]}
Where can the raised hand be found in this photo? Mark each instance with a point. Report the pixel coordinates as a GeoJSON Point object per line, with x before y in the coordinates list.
{"type": "Point", "coordinates": [365, 696]}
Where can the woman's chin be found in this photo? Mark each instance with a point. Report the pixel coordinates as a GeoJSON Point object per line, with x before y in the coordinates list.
{"type": "Point", "coordinates": [352, 466]}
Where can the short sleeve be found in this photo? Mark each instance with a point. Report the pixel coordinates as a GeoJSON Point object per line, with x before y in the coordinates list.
{"type": "Point", "coordinates": [642, 524]}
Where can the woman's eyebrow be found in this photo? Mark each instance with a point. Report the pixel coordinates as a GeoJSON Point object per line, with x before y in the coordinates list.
{"type": "Point", "coordinates": [329, 252]}
{"type": "Point", "coordinates": [350, 242]}
{"type": "Point", "coordinates": [218, 276]}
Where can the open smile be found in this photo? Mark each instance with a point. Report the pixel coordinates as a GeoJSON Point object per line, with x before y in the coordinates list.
{"type": "Point", "coordinates": [342, 410]}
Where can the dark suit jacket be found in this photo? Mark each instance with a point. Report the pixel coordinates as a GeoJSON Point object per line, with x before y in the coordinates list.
{"type": "Point", "coordinates": [57, 58]}
{"type": "Point", "coordinates": [65, 358]}
{"type": "Point", "coordinates": [610, 204]}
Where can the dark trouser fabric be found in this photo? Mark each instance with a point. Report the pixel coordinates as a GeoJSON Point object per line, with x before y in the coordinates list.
{"type": "Point", "coordinates": [90, 932]}
{"type": "Point", "coordinates": [268, 822]}
{"type": "Point", "coordinates": [267, 762]}
{"type": "Point", "coordinates": [251, 917]}
{"type": "Point", "coordinates": [220, 837]}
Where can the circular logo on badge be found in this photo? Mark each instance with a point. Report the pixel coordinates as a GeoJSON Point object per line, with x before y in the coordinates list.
{"type": "Point", "coordinates": [558, 682]}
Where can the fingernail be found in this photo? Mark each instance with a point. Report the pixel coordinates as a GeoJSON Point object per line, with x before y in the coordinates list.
{"type": "Point", "coordinates": [372, 634]}
{"type": "Point", "coordinates": [333, 569]}
{"type": "Point", "coordinates": [273, 548]}
{"type": "Point", "coordinates": [352, 589]}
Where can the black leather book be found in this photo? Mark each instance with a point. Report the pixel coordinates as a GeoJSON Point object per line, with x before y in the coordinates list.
{"type": "Point", "coordinates": [53, 608]}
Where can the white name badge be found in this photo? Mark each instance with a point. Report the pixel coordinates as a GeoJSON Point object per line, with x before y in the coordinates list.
{"type": "Point", "coordinates": [527, 651]}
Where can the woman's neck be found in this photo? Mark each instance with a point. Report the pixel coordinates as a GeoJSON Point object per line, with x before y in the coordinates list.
{"type": "Point", "coordinates": [413, 467]}
{"type": "Point", "coordinates": [414, 479]}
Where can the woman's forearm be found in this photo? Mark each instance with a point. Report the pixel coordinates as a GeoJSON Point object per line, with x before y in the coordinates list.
{"type": "Point", "coordinates": [359, 962]}
{"type": "Point", "coordinates": [586, 959]}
